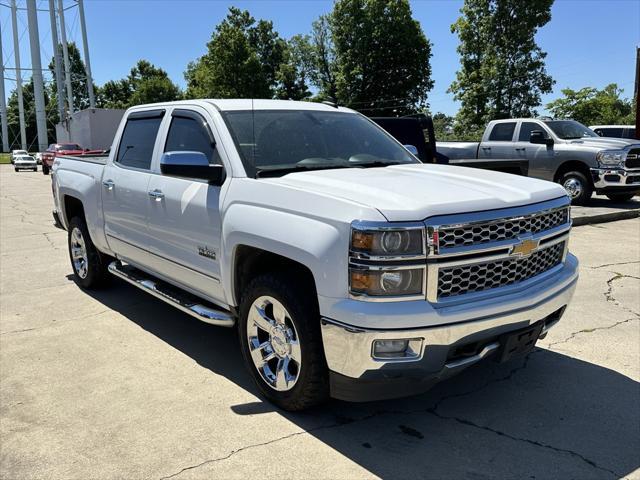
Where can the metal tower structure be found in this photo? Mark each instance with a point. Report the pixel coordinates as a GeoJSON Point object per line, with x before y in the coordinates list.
{"type": "Point", "coordinates": [62, 70]}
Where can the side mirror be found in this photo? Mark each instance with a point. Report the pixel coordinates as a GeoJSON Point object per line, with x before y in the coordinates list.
{"type": "Point", "coordinates": [537, 136]}
{"type": "Point", "coordinates": [412, 149]}
{"type": "Point", "coordinates": [191, 165]}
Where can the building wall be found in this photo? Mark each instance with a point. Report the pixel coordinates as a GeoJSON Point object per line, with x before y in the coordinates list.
{"type": "Point", "coordinates": [93, 128]}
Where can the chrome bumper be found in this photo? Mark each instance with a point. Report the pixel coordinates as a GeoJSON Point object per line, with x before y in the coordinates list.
{"type": "Point", "coordinates": [349, 349]}
{"type": "Point", "coordinates": [615, 177]}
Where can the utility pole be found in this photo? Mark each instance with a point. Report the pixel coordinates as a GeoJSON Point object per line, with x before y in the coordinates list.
{"type": "Point", "coordinates": [16, 56]}
{"type": "Point", "coordinates": [87, 62]}
{"type": "Point", "coordinates": [637, 92]}
{"type": "Point", "coordinates": [56, 59]}
{"type": "Point", "coordinates": [65, 53]}
{"type": "Point", "coordinates": [3, 103]}
{"type": "Point", "coordinates": [38, 83]}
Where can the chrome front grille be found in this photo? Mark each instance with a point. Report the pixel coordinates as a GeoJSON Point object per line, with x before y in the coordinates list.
{"type": "Point", "coordinates": [494, 251]}
{"type": "Point", "coordinates": [497, 230]}
{"type": "Point", "coordinates": [458, 280]}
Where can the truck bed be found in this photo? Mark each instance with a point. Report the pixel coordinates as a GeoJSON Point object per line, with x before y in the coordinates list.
{"type": "Point", "coordinates": [99, 158]}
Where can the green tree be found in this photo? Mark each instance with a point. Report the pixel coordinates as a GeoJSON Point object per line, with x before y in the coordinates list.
{"type": "Point", "coordinates": [443, 126]}
{"type": "Point", "coordinates": [381, 57]}
{"type": "Point", "coordinates": [145, 83]}
{"type": "Point", "coordinates": [291, 75]}
{"type": "Point", "coordinates": [591, 106]}
{"type": "Point", "coordinates": [242, 61]}
{"type": "Point", "coordinates": [13, 119]}
{"type": "Point", "coordinates": [79, 82]}
{"type": "Point", "coordinates": [502, 69]}
{"type": "Point", "coordinates": [317, 55]}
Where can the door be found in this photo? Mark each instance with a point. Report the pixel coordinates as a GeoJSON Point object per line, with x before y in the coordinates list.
{"type": "Point", "coordinates": [184, 214]}
{"type": "Point", "coordinates": [540, 158]}
{"type": "Point", "coordinates": [125, 183]}
{"type": "Point", "coordinates": [499, 145]}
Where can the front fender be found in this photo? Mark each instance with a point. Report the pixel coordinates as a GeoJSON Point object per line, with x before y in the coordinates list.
{"type": "Point", "coordinates": [318, 244]}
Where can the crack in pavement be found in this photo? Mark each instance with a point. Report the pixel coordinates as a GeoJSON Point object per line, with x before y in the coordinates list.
{"type": "Point", "coordinates": [614, 264]}
{"type": "Point", "coordinates": [590, 330]}
{"type": "Point", "coordinates": [469, 423]}
{"type": "Point", "coordinates": [608, 294]}
{"type": "Point", "coordinates": [432, 411]}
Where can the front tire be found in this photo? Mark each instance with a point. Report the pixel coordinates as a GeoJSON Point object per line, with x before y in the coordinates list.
{"type": "Point", "coordinates": [89, 265]}
{"type": "Point", "coordinates": [281, 342]}
{"type": "Point", "coordinates": [577, 186]}
{"type": "Point", "coordinates": [45, 170]}
{"type": "Point", "coordinates": [620, 197]}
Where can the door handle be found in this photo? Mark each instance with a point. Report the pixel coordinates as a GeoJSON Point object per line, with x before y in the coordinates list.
{"type": "Point", "coordinates": [108, 184]}
{"type": "Point", "coordinates": [156, 194]}
{"type": "Point", "coordinates": [520, 149]}
{"type": "Point", "coordinates": [486, 148]}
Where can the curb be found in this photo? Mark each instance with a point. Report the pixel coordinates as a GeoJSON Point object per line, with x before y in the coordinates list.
{"type": "Point", "coordinates": [605, 217]}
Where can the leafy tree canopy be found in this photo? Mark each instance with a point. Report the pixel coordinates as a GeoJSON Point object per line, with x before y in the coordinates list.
{"type": "Point", "coordinates": [381, 57]}
{"type": "Point", "coordinates": [591, 106]}
{"type": "Point", "coordinates": [502, 70]}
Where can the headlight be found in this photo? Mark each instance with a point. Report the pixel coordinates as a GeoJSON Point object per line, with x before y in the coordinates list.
{"type": "Point", "coordinates": [611, 158]}
{"type": "Point", "coordinates": [387, 261]}
{"type": "Point", "coordinates": [394, 283]}
{"type": "Point", "coordinates": [387, 242]}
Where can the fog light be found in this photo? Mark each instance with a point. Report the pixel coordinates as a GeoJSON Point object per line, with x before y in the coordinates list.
{"type": "Point", "coordinates": [390, 346]}
{"type": "Point", "coordinates": [405, 349]}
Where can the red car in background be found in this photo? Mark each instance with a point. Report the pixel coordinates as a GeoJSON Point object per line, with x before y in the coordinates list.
{"type": "Point", "coordinates": [59, 149]}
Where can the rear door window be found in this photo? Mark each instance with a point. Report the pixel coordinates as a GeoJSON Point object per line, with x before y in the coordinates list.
{"type": "Point", "coordinates": [138, 140]}
{"type": "Point", "coordinates": [502, 132]}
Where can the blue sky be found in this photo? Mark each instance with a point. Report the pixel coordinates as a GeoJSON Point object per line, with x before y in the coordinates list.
{"type": "Point", "coordinates": [589, 42]}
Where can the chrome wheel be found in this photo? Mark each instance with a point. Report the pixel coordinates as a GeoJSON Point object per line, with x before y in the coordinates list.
{"type": "Point", "coordinates": [79, 253]}
{"type": "Point", "coordinates": [573, 186]}
{"type": "Point", "coordinates": [273, 343]}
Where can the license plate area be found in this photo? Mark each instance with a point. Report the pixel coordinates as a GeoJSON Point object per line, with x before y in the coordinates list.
{"type": "Point", "coordinates": [518, 343]}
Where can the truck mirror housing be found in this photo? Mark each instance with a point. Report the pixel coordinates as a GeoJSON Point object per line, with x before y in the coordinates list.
{"type": "Point", "coordinates": [537, 136]}
{"type": "Point", "coordinates": [191, 165]}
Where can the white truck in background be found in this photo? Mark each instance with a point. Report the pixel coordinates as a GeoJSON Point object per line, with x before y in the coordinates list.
{"type": "Point", "coordinates": [350, 269]}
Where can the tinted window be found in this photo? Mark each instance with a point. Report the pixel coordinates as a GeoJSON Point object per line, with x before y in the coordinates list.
{"type": "Point", "coordinates": [609, 132]}
{"type": "Point", "coordinates": [502, 132]}
{"type": "Point", "coordinates": [276, 139]}
{"type": "Point", "coordinates": [526, 128]}
{"type": "Point", "coordinates": [138, 139]}
{"type": "Point", "coordinates": [631, 133]}
{"type": "Point", "coordinates": [187, 134]}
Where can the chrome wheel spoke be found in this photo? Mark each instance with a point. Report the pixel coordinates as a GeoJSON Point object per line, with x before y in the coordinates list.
{"type": "Point", "coordinates": [262, 353]}
{"type": "Point", "coordinates": [283, 378]}
{"type": "Point", "coordinates": [279, 313]}
{"type": "Point", "coordinates": [296, 353]}
{"type": "Point", "coordinates": [260, 319]}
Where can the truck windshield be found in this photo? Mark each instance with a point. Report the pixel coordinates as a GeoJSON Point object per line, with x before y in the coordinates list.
{"type": "Point", "coordinates": [276, 142]}
{"type": "Point", "coordinates": [570, 129]}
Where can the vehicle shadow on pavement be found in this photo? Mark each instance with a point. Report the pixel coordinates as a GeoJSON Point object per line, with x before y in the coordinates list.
{"type": "Point", "coordinates": [544, 416]}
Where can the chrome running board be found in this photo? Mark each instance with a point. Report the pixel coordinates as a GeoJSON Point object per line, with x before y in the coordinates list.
{"type": "Point", "coordinates": [180, 299]}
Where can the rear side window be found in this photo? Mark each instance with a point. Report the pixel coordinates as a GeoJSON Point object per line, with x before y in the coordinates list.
{"type": "Point", "coordinates": [502, 132]}
{"type": "Point", "coordinates": [138, 140]}
{"type": "Point", "coordinates": [191, 133]}
{"type": "Point", "coordinates": [609, 132]}
{"type": "Point", "coordinates": [526, 128]}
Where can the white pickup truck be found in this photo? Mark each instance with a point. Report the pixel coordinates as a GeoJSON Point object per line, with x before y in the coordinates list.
{"type": "Point", "coordinates": [350, 269]}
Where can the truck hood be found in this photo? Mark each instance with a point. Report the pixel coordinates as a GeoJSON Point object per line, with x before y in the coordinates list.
{"type": "Point", "coordinates": [605, 143]}
{"type": "Point", "coordinates": [415, 192]}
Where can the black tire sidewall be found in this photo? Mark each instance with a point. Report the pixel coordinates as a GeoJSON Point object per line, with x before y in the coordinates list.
{"type": "Point", "coordinates": [311, 387]}
{"type": "Point", "coordinates": [96, 270]}
{"type": "Point", "coordinates": [587, 189]}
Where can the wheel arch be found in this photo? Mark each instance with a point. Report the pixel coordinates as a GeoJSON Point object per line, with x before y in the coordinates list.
{"type": "Point", "coordinates": [573, 165]}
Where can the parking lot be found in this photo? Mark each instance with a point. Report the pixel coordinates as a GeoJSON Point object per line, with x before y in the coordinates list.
{"type": "Point", "coordinates": [115, 384]}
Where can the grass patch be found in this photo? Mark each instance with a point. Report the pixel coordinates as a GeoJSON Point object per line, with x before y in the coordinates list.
{"type": "Point", "coordinates": [4, 158]}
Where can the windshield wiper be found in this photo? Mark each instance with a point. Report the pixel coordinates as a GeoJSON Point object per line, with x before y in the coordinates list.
{"type": "Point", "coordinates": [278, 172]}
{"type": "Point", "coordinates": [377, 163]}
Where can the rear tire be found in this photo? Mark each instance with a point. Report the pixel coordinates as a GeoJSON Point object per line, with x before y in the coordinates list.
{"type": "Point", "coordinates": [578, 187]}
{"type": "Point", "coordinates": [89, 265]}
{"type": "Point", "coordinates": [620, 197]}
{"type": "Point", "coordinates": [45, 170]}
{"type": "Point", "coordinates": [17, 169]}
{"type": "Point", "coordinates": [281, 342]}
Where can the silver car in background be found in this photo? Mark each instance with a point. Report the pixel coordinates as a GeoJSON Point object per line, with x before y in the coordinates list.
{"type": "Point", "coordinates": [25, 162]}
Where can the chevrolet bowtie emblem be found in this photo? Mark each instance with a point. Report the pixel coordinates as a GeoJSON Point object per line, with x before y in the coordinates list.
{"type": "Point", "coordinates": [525, 247]}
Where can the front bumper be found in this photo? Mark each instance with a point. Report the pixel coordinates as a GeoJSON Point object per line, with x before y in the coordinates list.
{"type": "Point", "coordinates": [357, 376]}
{"type": "Point", "coordinates": [615, 180]}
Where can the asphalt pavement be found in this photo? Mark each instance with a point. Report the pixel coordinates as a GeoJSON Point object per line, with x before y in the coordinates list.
{"type": "Point", "coordinates": [116, 384]}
